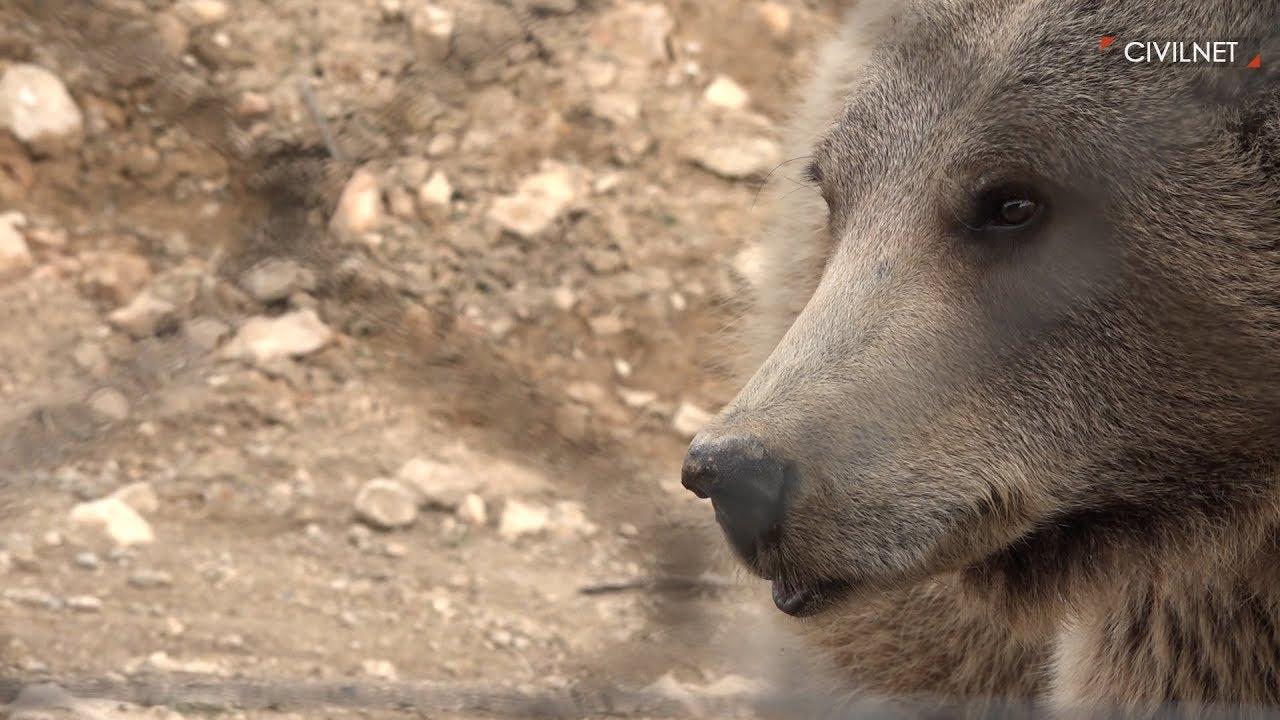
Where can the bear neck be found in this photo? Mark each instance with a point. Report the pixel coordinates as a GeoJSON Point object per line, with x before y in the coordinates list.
{"type": "Point", "coordinates": [1194, 640]}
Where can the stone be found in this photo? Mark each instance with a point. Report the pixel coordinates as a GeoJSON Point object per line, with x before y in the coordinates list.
{"type": "Point", "coordinates": [202, 13]}
{"type": "Point", "coordinates": [87, 561]}
{"type": "Point", "coordinates": [724, 92]}
{"type": "Point", "coordinates": [777, 18]}
{"type": "Point", "coordinates": [520, 519]}
{"type": "Point", "coordinates": [253, 105]}
{"type": "Point", "coordinates": [140, 496]}
{"type": "Point", "coordinates": [15, 256]}
{"type": "Point", "coordinates": [144, 316]}
{"type": "Point", "coordinates": [33, 597]}
{"type": "Point", "coordinates": [618, 107]}
{"type": "Point", "coordinates": [436, 191]}
{"type": "Point", "coordinates": [382, 669]}
{"type": "Point", "coordinates": [568, 519]}
{"type": "Point", "coordinates": [204, 333]}
{"type": "Point", "coordinates": [386, 504]}
{"type": "Point", "coordinates": [441, 145]}
{"type": "Point", "coordinates": [607, 325]}
{"type": "Point", "coordinates": [439, 484]}
{"type": "Point", "coordinates": [359, 209]}
{"type": "Point", "coordinates": [734, 157]}
{"type": "Point", "coordinates": [401, 203]}
{"type": "Point", "coordinates": [36, 107]}
{"type": "Point", "coordinates": [432, 28]}
{"type": "Point", "coordinates": [114, 520]}
{"type": "Point", "coordinates": [539, 201]}
{"type": "Point", "coordinates": [637, 399]}
{"type": "Point", "coordinates": [564, 298]}
{"type": "Point", "coordinates": [150, 579]}
{"type": "Point", "coordinates": [109, 405]}
{"type": "Point", "coordinates": [275, 279]}
{"type": "Point", "coordinates": [636, 33]}
{"type": "Point", "coordinates": [263, 339]}
{"type": "Point", "coordinates": [689, 419]}
{"type": "Point", "coordinates": [174, 34]}
{"type": "Point", "coordinates": [91, 358]}
{"type": "Point", "coordinates": [84, 604]}
{"type": "Point", "coordinates": [472, 510]}
{"type": "Point", "coordinates": [114, 277]}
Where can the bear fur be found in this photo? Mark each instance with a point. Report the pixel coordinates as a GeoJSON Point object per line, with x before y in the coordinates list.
{"type": "Point", "coordinates": [1044, 462]}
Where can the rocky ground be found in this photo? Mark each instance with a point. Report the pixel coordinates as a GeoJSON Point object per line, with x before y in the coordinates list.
{"type": "Point", "coordinates": [359, 342]}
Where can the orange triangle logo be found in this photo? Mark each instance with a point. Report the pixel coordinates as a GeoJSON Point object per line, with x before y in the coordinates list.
{"type": "Point", "coordinates": [1256, 62]}
{"type": "Point", "coordinates": [1106, 42]}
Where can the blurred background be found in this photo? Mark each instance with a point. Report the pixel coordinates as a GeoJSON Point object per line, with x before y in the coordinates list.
{"type": "Point", "coordinates": [359, 342]}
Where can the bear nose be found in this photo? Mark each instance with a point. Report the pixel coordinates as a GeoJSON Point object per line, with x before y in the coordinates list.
{"type": "Point", "coordinates": [747, 486]}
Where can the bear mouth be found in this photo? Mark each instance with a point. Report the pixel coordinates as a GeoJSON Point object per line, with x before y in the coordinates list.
{"type": "Point", "coordinates": [799, 599]}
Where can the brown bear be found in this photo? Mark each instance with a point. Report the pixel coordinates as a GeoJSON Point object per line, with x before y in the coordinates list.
{"type": "Point", "coordinates": [1013, 429]}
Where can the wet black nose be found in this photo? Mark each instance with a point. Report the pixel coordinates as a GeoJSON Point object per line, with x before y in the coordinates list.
{"type": "Point", "coordinates": [747, 486]}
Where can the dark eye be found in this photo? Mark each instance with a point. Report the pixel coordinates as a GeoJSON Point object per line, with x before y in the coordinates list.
{"type": "Point", "coordinates": [1017, 212]}
{"type": "Point", "coordinates": [1009, 207]}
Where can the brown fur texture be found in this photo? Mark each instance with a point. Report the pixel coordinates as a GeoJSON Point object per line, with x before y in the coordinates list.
{"type": "Point", "coordinates": [1046, 461]}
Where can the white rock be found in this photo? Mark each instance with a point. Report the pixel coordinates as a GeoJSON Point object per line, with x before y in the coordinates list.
{"type": "Point", "coordinates": [109, 404]}
{"type": "Point", "coordinates": [383, 669]}
{"type": "Point", "coordinates": [618, 107]}
{"type": "Point", "coordinates": [36, 107]}
{"type": "Point", "coordinates": [140, 496]}
{"type": "Point", "coordinates": [432, 27]}
{"type": "Point", "coordinates": [689, 419]}
{"type": "Point", "coordinates": [735, 157]}
{"type": "Point", "coordinates": [607, 325]}
{"type": "Point", "coordinates": [441, 145]}
{"type": "Point", "coordinates": [538, 201]}
{"type": "Point", "coordinates": [160, 662]}
{"type": "Point", "coordinates": [274, 279]}
{"type": "Point", "coordinates": [263, 339]}
{"type": "Point", "coordinates": [150, 579]}
{"type": "Point", "coordinates": [777, 17]}
{"type": "Point", "coordinates": [564, 298]}
{"type": "Point", "coordinates": [84, 604]}
{"type": "Point", "coordinates": [436, 191]}
{"type": "Point", "coordinates": [472, 510]}
{"type": "Point", "coordinates": [359, 207]}
{"type": "Point", "coordinates": [520, 519]}
{"type": "Point", "coordinates": [637, 398]}
{"type": "Point", "coordinates": [205, 332]}
{"type": "Point", "coordinates": [637, 32]}
{"type": "Point", "coordinates": [15, 256]}
{"type": "Point", "coordinates": [569, 519]}
{"type": "Point", "coordinates": [439, 484]}
{"type": "Point", "coordinates": [144, 316]}
{"type": "Point", "coordinates": [33, 597]}
{"type": "Point", "coordinates": [114, 519]}
{"type": "Point", "coordinates": [199, 13]}
{"type": "Point", "coordinates": [386, 504]}
{"type": "Point", "coordinates": [724, 92]}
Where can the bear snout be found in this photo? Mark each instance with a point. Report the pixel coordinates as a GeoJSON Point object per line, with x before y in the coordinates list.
{"type": "Point", "coordinates": [747, 485]}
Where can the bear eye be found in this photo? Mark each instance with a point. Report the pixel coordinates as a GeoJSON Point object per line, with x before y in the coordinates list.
{"type": "Point", "coordinates": [1008, 207]}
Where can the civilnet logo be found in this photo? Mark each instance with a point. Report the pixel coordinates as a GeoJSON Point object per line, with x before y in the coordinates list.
{"type": "Point", "coordinates": [1227, 53]}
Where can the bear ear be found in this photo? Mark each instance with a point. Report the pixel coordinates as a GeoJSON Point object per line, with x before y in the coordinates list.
{"type": "Point", "coordinates": [1257, 105]}
{"type": "Point", "coordinates": [1258, 131]}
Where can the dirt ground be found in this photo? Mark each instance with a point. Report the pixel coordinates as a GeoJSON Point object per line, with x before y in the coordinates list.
{"type": "Point", "coordinates": [357, 344]}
